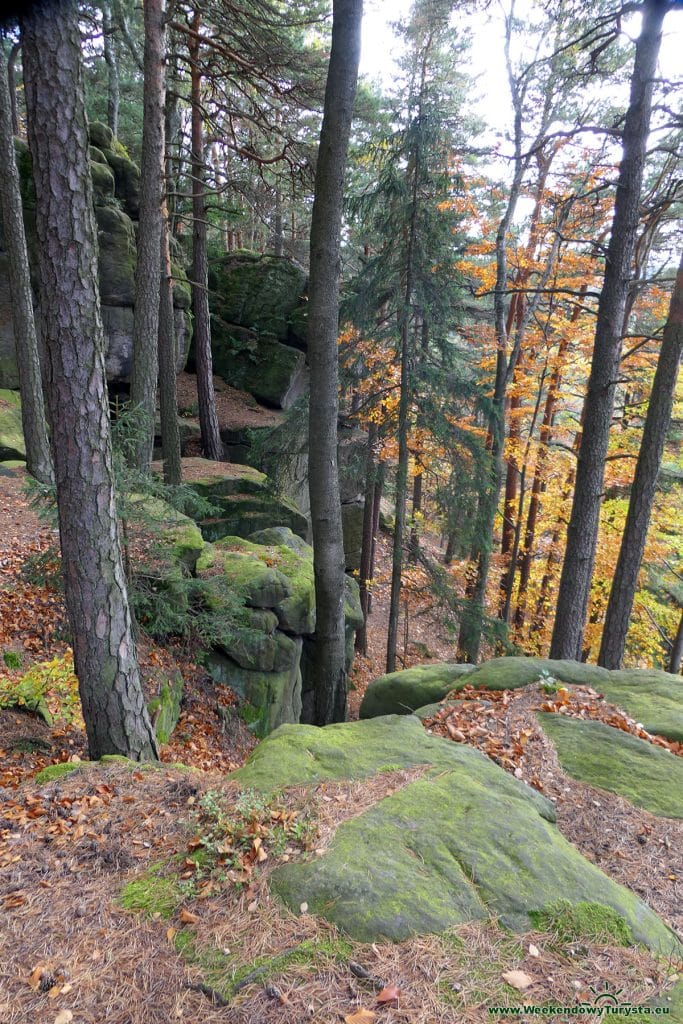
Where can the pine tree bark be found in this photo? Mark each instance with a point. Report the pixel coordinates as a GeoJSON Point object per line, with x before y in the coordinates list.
{"type": "Point", "coordinates": [366, 545]}
{"type": "Point", "coordinates": [145, 369]}
{"type": "Point", "coordinates": [168, 393]}
{"type": "Point", "coordinates": [113, 84]}
{"type": "Point", "coordinates": [323, 313]}
{"type": "Point", "coordinates": [12, 85]}
{"type": "Point", "coordinates": [625, 580]}
{"type": "Point", "coordinates": [212, 446]}
{"type": "Point", "coordinates": [94, 583]}
{"type": "Point", "coordinates": [676, 656]}
{"type": "Point", "coordinates": [582, 534]}
{"type": "Point", "coordinates": [38, 461]}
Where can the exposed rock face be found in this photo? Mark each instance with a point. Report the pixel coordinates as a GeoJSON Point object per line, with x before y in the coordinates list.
{"type": "Point", "coordinates": [465, 841]}
{"type": "Point", "coordinates": [116, 189]}
{"type": "Point", "coordinates": [256, 336]}
{"type": "Point", "coordinates": [11, 431]}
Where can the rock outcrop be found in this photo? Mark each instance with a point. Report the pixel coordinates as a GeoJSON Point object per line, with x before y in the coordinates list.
{"type": "Point", "coordinates": [463, 841]}
{"type": "Point", "coordinates": [116, 195]}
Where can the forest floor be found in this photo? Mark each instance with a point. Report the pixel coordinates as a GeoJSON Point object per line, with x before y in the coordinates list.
{"type": "Point", "coordinates": [71, 952]}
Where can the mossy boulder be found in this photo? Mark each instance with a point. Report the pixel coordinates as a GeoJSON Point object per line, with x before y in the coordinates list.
{"type": "Point", "coordinates": [273, 697]}
{"type": "Point", "coordinates": [103, 184]}
{"type": "Point", "coordinates": [100, 135]}
{"type": "Point", "coordinates": [217, 479]}
{"type": "Point", "coordinates": [245, 567]}
{"type": "Point", "coordinates": [164, 710]}
{"type": "Point", "coordinates": [241, 515]}
{"type": "Point", "coordinates": [117, 256]}
{"type": "Point", "coordinates": [273, 373]}
{"type": "Point", "coordinates": [465, 842]}
{"type": "Point", "coordinates": [653, 698]}
{"type": "Point", "coordinates": [176, 535]}
{"type": "Point", "coordinates": [352, 531]}
{"type": "Point", "coordinates": [12, 446]}
{"type": "Point", "coordinates": [401, 693]}
{"type": "Point", "coordinates": [512, 673]}
{"type": "Point", "coordinates": [260, 292]}
{"type": "Point", "coordinates": [127, 181]}
{"type": "Point", "coordinates": [645, 775]}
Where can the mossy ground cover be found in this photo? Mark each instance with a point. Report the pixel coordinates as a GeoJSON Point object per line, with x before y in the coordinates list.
{"type": "Point", "coordinates": [642, 773]}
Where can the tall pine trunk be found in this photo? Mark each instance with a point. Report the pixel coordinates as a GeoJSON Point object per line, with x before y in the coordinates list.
{"type": "Point", "coordinates": [114, 709]}
{"type": "Point", "coordinates": [168, 394]}
{"type": "Point", "coordinates": [323, 314]}
{"type": "Point", "coordinates": [113, 84]}
{"type": "Point", "coordinates": [582, 534]}
{"type": "Point", "coordinates": [38, 460]}
{"type": "Point", "coordinates": [143, 379]}
{"type": "Point", "coordinates": [212, 446]}
{"type": "Point", "coordinates": [625, 581]}
{"type": "Point", "coordinates": [366, 546]}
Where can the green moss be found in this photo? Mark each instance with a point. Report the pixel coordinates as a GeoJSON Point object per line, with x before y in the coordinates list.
{"type": "Point", "coordinates": [651, 697]}
{"type": "Point", "coordinates": [152, 893]}
{"type": "Point", "coordinates": [57, 771]}
{"type": "Point", "coordinates": [221, 972]}
{"type": "Point", "coordinates": [102, 181]}
{"type": "Point", "coordinates": [592, 922]}
{"type": "Point", "coordinates": [11, 430]}
{"type": "Point", "coordinates": [646, 775]}
{"type": "Point", "coordinates": [401, 693]}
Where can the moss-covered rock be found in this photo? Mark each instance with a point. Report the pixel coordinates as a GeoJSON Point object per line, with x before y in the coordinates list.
{"type": "Point", "coordinates": [12, 444]}
{"type": "Point", "coordinates": [273, 373]}
{"type": "Point", "coordinates": [117, 256]}
{"type": "Point", "coordinates": [103, 184]}
{"type": "Point", "coordinates": [512, 673]}
{"type": "Point", "coordinates": [653, 698]}
{"type": "Point", "coordinates": [645, 775]}
{"type": "Point", "coordinates": [256, 291]}
{"type": "Point", "coordinates": [217, 479]}
{"type": "Point", "coordinates": [244, 514]}
{"type": "Point", "coordinates": [466, 841]}
{"type": "Point", "coordinates": [245, 568]}
{"type": "Point", "coordinates": [401, 693]}
{"type": "Point", "coordinates": [273, 697]}
{"type": "Point", "coordinates": [100, 135]}
{"type": "Point", "coordinates": [352, 529]}
{"type": "Point", "coordinates": [127, 181]}
{"type": "Point", "coordinates": [176, 535]}
{"type": "Point", "coordinates": [164, 710]}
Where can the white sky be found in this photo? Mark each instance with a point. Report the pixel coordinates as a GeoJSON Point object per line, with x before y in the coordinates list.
{"type": "Point", "coordinates": [486, 55]}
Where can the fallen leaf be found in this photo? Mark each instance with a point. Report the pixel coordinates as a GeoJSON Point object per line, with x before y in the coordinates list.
{"type": "Point", "coordinates": [36, 976]}
{"type": "Point", "coordinates": [534, 950]}
{"type": "Point", "coordinates": [389, 994]}
{"type": "Point", "coordinates": [171, 934]}
{"type": "Point", "coordinates": [360, 1017]}
{"type": "Point", "coordinates": [187, 917]}
{"type": "Point", "coordinates": [518, 979]}
{"type": "Point", "coordinates": [303, 908]}
{"type": "Point", "coordinates": [64, 1017]}
{"type": "Point", "coordinates": [253, 906]}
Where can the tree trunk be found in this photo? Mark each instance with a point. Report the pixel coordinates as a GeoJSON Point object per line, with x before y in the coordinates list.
{"type": "Point", "coordinates": [582, 534]}
{"type": "Point", "coordinates": [113, 89]}
{"type": "Point", "coordinates": [676, 656]}
{"type": "Point", "coordinates": [376, 510]}
{"type": "Point", "coordinates": [94, 583]}
{"type": "Point", "coordinates": [12, 86]}
{"type": "Point", "coordinates": [401, 479]}
{"type": "Point", "coordinates": [145, 369]}
{"type": "Point", "coordinates": [38, 460]}
{"type": "Point", "coordinates": [212, 446]}
{"type": "Point", "coordinates": [366, 545]}
{"type": "Point", "coordinates": [323, 313]}
{"type": "Point", "coordinates": [625, 580]}
{"type": "Point", "coordinates": [168, 394]}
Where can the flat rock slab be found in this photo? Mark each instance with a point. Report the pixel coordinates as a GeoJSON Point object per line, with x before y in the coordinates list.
{"type": "Point", "coordinates": [653, 698]}
{"type": "Point", "coordinates": [466, 841]}
{"type": "Point", "coordinates": [643, 774]}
